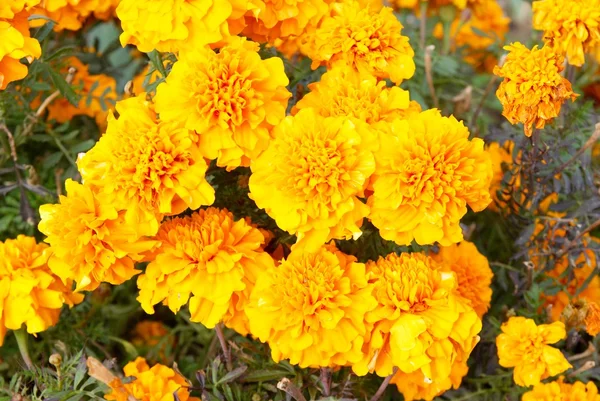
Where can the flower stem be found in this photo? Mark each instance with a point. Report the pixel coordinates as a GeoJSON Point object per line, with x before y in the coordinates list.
{"type": "Point", "coordinates": [423, 20]}
{"type": "Point", "coordinates": [22, 337]}
{"type": "Point", "coordinates": [326, 381]}
{"type": "Point", "coordinates": [383, 386]}
{"type": "Point", "coordinates": [224, 346]}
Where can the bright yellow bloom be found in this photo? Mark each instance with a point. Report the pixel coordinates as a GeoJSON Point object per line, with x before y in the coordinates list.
{"type": "Point", "coordinates": [560, 391]}
{"type": "Point", "coordinates": [16, 42]}
{"type": "Point", "coordinates": [211, 258]}
{"type": "Point", "coordinates": [311, 308]}
{"type": "Point", "coordinates": [92, 241]}
{"type": "Point", "coordinates": [30, 294]}
{"type": "Point", "coordinates": [592, 319]}
{"type": "Point", "coordinates": [98, 93]}
{"type": "Point", "coordinates": [570, 26]}
{"type": "Point", "coordinates": [71, 14]}
{"type": "Point", "coordinates": [345, 92]}
{"type": "Point", "coordinates": [533, 89]}
{"type": "Point", "coordinates": [232, 99]}
{"type": "Point", "coordinates": [370, 42]}
{"type": "Point", "coordinates": [421, 325]}
{"type": "Point", "coordinates": [311, 176]}
{"type": "Point", "coordinates": [427, 172]}
{"type": "Point", "coordinates": [149, 166]}
{"type": "Point", "coordinates": [156, 383]}
{"type": "Point", "coordinates": [431, 4]}
{"type": "Point", "coordinates": [526, 347]}
{"type": "Point", "coordinates": [173, 25]}
{"type": "Point", "coordinates": [472, 271]}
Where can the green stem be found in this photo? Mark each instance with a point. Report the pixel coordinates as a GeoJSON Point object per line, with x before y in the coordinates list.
{"type": "Point", "coordinates": [22, 337]}
{"type": "Point", "coordinates": [447, 39]}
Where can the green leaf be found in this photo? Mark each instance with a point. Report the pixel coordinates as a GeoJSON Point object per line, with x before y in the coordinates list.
{"type": "Point", "coordinates": [83, 146]}
{"type": "Point", "coordinates": [157, 62]}
{"type": "Point", "coordinates": [265, 375]}
{"type": "Point", "coordinates": [64, 88]}
{"type": "Point", "coordinates": [52, 160]}
{"type": "Point", "coordinates": [231, 376]}
{"type": "Point", "coordinates": [130, 350]}
{"type": "Point", "coordinates": [62, 52]}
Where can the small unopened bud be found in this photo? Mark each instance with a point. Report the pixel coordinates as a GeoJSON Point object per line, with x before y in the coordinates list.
{"type": "Point", "coordinates": [55, 360]}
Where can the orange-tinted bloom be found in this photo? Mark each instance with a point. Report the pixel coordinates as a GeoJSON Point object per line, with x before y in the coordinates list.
{"type": "Point", "coordinates": [526, 347]}
{"type": "Point", "coordinates": [560, 391]}
{"type": "Point", "coordinates": [232, 99]}
{"type": "Point", "coordinates": [148, 166]}
{"type": "Point", "coordinates": [30, 294]}
{"type": "Point", "coordinates": [71, 14]}
{"type": "Point", "coordinates": [533, 89]}
{"type": "Point", "coordinates": [472, 271]}
{"type": "Point", "coordinates": [370, 42]}
{"type": "Point", "coordinates": [421, 326]}
{"type": "Point", "coordinates": [211, 258]}
{"type": "Point", "coordinates": [311, 308]}
{"type": "Point", "coordinates": [427, 172]}
{"type": "Point", "coordinates": [592, 319]}
{"type": "Point", "coordinates": [156, 383]}
{"type": "Point", "coordinates": [570, 26]}
{"type": "Point", "coordinates": [343, 91]}
{"type": "Point", "coordinates": [311, 176]}
{"type": "Point", "coordinates": [92, 241]}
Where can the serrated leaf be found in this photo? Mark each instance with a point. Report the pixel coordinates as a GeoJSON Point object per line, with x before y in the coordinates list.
{"type": "Point", "coordinates": [52, 160]}
{"type": "Point", "coordinates": [61, 52]}
{"type": "Point", "coordinates": [231, 376]}
{"type": "Point", "coordinates": [83, 146]}
{"type": "Point", "coordinates": [63, 87]}
{"type": "Point", "coordinates": [265, 375]}
{"type": "Point", "coordinates": [156, 60]}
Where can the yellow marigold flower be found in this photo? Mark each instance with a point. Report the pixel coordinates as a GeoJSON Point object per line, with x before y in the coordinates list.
{"type": "Point", "coordinates": [158, 382]}
{"type": "Point", "coordinates": [345, 92]}
{"type": "Point", "coordinates": [472, 271]}
{"type": "Point", "coordinates": [533, 89]}
{"type": "Point", "coordinates": [427, 172]}
{"type": "Point", "coordinates": [311, 176]}
{"type": "Point", "coordinates": [421, 325]}
{"type": "Point", "coordinates": [211, 258]}
{"type": "Point", "coordinates": [30, 294]}
{"type": "Point", "coordinates": [370, 42]}
{"type": "Point", "coordinates": [431, 4]}
{"type": "Point", "coordinates": [70, 14]}
{"type": "Point", "coordinates": [147, 165]}
{"type": "Point", "coordinates": [526, 347]}
{"type": "Point", "coordinates": [173, 25]}
{"type": "Point", "coordinates": [592, 319]}
{"type": "Point", "coordinates": [92, 241]}
{"type": "Point", "coordinates": [16, 41]}
{"type": "Point", "coordinates": [560, 391]}
{"type": "Point", "coordinates": [570, 26]}
{"type": "Point", "coordinates": [91, 102]}
{"type": "Point", "coordinates": [311, 308]}
{"type": "Point", "coordinates": [232, 99]}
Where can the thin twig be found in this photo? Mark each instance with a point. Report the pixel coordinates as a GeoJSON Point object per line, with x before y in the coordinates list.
{"type": "Point", "coordinates": [384, 385]}
{"type": "Point", "coordinates": [428, 75]}
{"type": "Point", "coordinates": [488, 89]}
{"type": "Point", "coordinates": [423, 19]}
{"type": "Point", "coordinates": [585, 367]}
{"type": "Point", "coordinates": [224, 346]}
{"type": "Point", "coordinates": [326, 381]}
{"type": "Point", "coordinates": [288, 387]}
{"type": "Point", "coordinates": [567, 247]}
{"type": "Point", "coordinates": [591, 350]}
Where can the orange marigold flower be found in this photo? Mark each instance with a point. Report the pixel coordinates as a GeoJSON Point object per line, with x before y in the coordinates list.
{"type": "Point", "coordinates": [211, 258]}
{"type": "Point", "coordinates": [421, 325]}
{"type": "Point", "coordinates": [592, 319]}
{"type": "Point", "coordinates": [16, 41]}
{"type": "Point", "coordinates": [98, 93]}
{"type": "Point", "coordinates": [370, 42]}
{"type": "Point", "coordinates": [149, 333]}
{"type": "Point", "coordinates": [311, 308]}
{"type": "Point", "coordinates": [70, 14]}
{"type": "Point", "coordinates": [149, 166]}
{"type": "Point", "coordinates": [533, 89]}
{"type": "Point", "coordinates": [30, 294]}
{"type": "Point", "coordinates": [427, 172]}
{"type": "Point", "coordinates": [311, 176]}
{"type": "Point", "coordinates": [570, 26]}
{"type": "Point", "coordinates": [526, 347]}
{"type": "Point", "coordinates": [560, 391]}
{"type": "Point", "coordinates": [345, 92]}
{"type": "Point", "coordinates": [431, 4]}
{"type": "Point", "coordinates": [92, 241]}
{"type": "Point", "coordinates": [473, 272]}
{"type": "Point", "coordinates": [232, 99]}
{"type": "Point", "coordinates": [158, 382]}
{"type": "Point", "coordinates": [173, 25]}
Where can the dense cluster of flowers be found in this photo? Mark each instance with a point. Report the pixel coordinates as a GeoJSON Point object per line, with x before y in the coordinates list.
{"type": "Point", "coordinates": [560, 391]}
{"type": "Point", "coordinates": [72, 14]}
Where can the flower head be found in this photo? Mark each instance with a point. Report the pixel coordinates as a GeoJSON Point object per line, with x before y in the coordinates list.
{"type": "Point", "coordinates": [421, 325]}
{"type": "Point", "coordinates": [473, 273]}
{"type": "Point", "coordinates": [368, 41]}
{"type": "Point", "coordinates": [232, 99]}
{"type": "Point", "coordinates": [16, 41]}
{"type": "Point", "coordinates": [70, 14]}
{"type": "Point", "coordinates": [212, 259]}
{"type": "Point", "coordinates": [560, 391]}
{"type": "Point", "coordinates": [526, 347]}
{"type": "Point", "coordinates": [156, 383]}
{"type": "Point", "coordinates": [427, 172]}
{"type": "Point", "coordinates": [30, 294]}
{"type": "Point", "coordinates": [533, 89]}
{"type": "Point", "coordinates": [570, 26]}
{"type": "Point", "coordinates": [92, 241]}
{"type": "Point", "coordinates": [311, 308]}
{"type": "Point", "coordinates": [149, 166]}
{"type": "Point", "coordinates": [592, 319]}
{"type": "Point", "coordinates": [173, 25]}
{"type": "Point", "coordinates": [310, 177]}
{"type": "Point", "coordinates": [343, 91]}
